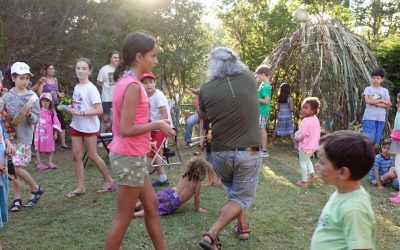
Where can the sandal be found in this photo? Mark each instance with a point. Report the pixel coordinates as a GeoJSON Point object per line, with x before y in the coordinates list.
{"type": "Point", "coordinates": [214, 242]}
{"type": "Point", "coordinates": [16, 206]}
{"type": "Point", "coordinates": [242, 233]}
{"type": "Point", "coordinates": [109, 189]}
{"type": "Point", "coordinates": [35, 197]}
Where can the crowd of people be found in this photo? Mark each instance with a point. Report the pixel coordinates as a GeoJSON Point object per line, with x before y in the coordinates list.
{"type": "Point", "coordinates": [234, 111]}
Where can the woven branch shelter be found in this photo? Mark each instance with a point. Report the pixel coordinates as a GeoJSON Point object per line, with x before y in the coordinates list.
{"type": "Point", "coordinates": [325, 59]}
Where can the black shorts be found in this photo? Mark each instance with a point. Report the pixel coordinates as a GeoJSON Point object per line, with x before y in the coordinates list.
{"type": "Point", "coordinates": [106, 107]}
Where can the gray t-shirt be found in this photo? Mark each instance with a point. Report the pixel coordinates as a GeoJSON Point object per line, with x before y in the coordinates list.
{"type": "Point", "coordinates": [373, 112]}
{"type": "Point", "coordinates": [233, 111]}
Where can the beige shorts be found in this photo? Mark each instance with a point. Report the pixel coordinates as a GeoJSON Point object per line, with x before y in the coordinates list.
{"type": "Point", "coordinates": [128, 170]}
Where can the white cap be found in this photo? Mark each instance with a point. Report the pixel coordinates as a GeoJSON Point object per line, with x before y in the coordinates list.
{"type": "Point", "coordinates": [20, 68]}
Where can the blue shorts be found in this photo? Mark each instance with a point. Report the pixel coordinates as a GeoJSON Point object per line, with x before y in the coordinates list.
{"type": "Point", "coordinates": [169, 201]}
{"type": "Point", "coordinates": [395, 183]}
{"type": "Point", "coordinates": [374, 130]}
{"type": "Point", "coordinates": [239, 173]}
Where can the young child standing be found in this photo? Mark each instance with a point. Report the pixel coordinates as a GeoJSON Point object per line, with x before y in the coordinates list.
{"type": "Point", "coordinates": [131, 142]}
{"type": "Point", "coordinates": [46, 132]}
{"type": "Point", "coordinates": [22, 106]}
{"type": "Point", "coordinates": [382, 172]}
{"type": "Point", "coordinates": [207, 145]}
{"type": "Point", "coordinates": [188, 186]}
{"type": "Point", "coordinates": [347, 220]}
{"type": "Point", "coordinates": [84, 128]}
{"type": "Point", "coordinates": [284, 123]}
{"type": "Point", "coordinates": [395, 149]}
{"type": "Point", "coordinates": [377, 100]}
{"type": "Point", "coordinates": [264, 98]}
{"type": "Point", "coordinates": [308, 139]}
{"type": "Point", "coordinates": [159, 110]}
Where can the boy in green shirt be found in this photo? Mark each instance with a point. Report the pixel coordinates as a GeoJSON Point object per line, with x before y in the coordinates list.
{"type": "Point", "coordinates": [264, 98]}
{"type": "Point", "coordinates": [347, 220]}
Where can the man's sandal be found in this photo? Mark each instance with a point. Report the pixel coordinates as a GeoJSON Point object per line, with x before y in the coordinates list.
{"type": "Point", "coordinates": [16, 205]}
{"type": "Point", "coordinates": [35, 197]}
{"type": "Point", "coordinates": [214, 242]}
{"type": "Point", "coordinates": [242, 233]}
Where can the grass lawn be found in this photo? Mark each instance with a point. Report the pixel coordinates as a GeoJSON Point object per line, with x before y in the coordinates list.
{"type": "Point", "coordinates": [282, 216]}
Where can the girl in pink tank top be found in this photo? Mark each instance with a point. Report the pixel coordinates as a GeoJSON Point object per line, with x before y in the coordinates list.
{"type": "Point", "coordinates": [131, 141]}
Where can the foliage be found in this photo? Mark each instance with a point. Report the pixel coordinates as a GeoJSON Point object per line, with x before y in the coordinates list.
{"type": "Point", "coordinates": [325, 59]}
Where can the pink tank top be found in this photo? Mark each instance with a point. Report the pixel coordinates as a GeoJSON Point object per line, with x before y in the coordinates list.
{"type": "Point", "coordinates": [137, 145]}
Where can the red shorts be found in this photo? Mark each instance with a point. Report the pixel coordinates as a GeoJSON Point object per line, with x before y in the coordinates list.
{"type": "Point", "coordinates": [158, 137]}
{"type": "Point", "coordinates": [74, 132]}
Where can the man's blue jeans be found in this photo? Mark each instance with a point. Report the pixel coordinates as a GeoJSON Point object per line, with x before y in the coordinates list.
{"type": "Point", "coordinates": [190, 122]}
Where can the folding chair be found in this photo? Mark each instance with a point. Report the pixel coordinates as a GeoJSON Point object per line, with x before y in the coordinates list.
{"type": "Point", "coordinates": [105, 139]}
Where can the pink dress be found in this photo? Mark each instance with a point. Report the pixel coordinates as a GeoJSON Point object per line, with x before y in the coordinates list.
{"type": "Point", "coordinates": [44, 131]}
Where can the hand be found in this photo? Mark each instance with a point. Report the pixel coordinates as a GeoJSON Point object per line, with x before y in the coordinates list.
{"type": "Point", "coordinates": [201, 210]}
{"type": "Point", "coordinates": [194, 91]}
{"type": "Point", "coordinates": [165, 127]}
{"type": "Point", "coordinates": [202, 147]}
{"type": "Point", "coordinates": [10, 149]}
{"type": "Point", "coordinates": [61, 94]}
{"type": "Point", "coordinates": [55, 136]}
{"type": "Point", "coordinates": [27, 113]}
{"type": "Point", "coordinates": [153, 145]}
{"type": "Point", "coordinates": [74, 111]}
{"type": "Point", "coordinates": [42, 80]}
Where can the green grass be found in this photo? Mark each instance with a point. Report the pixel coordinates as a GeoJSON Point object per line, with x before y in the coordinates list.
{"type": "Point", "coordinates": [282, 216]}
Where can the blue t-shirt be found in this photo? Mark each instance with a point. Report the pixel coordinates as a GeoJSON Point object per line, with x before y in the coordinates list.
{"type": "Point", "coordinates": [382, 164]}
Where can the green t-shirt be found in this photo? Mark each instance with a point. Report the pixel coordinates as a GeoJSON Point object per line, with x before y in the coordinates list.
{"type": "Point", "coordinates": [346, 222]}
{"type": "Point", "coordinates": [263, 91]}
{"type": "Point", "coordinates": [232, 107]}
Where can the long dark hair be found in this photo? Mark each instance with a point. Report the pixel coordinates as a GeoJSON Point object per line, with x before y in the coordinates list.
{"type": "Point", "coordinates": [134, 44]}
{"type": "Point", "coordinates": [44, 69]}
{"type": "Point", "coordinates": [110, 54]}
{"type": "Point", "coordinates": [284, 93]}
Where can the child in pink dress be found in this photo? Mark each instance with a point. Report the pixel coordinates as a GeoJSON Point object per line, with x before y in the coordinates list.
{"type": "Point", "coordinates": [308, 139]}
{"type": "Point", "coordinates": [46, 132]}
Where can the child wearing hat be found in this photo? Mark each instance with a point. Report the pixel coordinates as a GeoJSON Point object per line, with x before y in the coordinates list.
{"type": "Point", "coordinates": [22, 106]}
{"type": "Point", "coordinates": [46, 132]}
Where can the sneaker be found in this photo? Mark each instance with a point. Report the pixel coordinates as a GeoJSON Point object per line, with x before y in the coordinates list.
{"type": "Point", "coordinates": [264, 153]}
{"type": "Point", "coordinates": [159, 183]}
{"type": "Point", "coordinates": [395, 199]}
{"type": "Point", "coordinates": [41, 167]}
{"type": "Point", "coordinates": [52, 165]}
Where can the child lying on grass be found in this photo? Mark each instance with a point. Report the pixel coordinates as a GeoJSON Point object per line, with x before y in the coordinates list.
{"type": "Point", "coordinates": [188, 185]}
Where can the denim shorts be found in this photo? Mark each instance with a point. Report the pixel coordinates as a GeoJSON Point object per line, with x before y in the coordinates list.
{"type": "Point", "coordinates": [239, 173]}
{"type": "Point", "coordinates": [128, 170]}
{"type": "Point", "coordinates": [374, 130]}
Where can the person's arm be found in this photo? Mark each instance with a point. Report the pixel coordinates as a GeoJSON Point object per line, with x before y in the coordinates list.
{"type": "Point", "coordinates": [99, 83]}
{"type": "Point", "coordinates": [265, 100]}
{"type": "Point", "coordinates": [201, 110]}
{"type": "Point", "coordinates": [164, 112]}
{"type": "Point", "coordinates": [97, 110]}
{"type": "Point", "coordinates": [129, 108]}
{"type": "Point", "coordinates": [358, 225]}
{"type": "Point", "coordinates": [38, 87]}
{"type": "Point", "coordinates": [196, 195]}
{"type": "Point", "coordinates": [33, 115]}
{"type": "Point", "coordinates": [378, 178]}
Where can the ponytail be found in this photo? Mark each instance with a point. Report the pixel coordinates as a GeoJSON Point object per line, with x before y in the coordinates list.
{"type": "Point", "coordinates": [119, 70]}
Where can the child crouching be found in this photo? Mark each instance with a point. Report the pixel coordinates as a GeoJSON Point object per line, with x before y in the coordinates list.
{"type": "Point", "coordinates": [189, 185]}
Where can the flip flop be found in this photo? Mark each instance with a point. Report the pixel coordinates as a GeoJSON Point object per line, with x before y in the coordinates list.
{"type": "Point", "coordinates": [110, 189]}
{"type": "Point", "coordinates": [74, 194]}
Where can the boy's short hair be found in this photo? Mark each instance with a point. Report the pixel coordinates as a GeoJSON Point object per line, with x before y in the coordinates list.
{"type": "Point", "coordinates": [263, 70]}
{"type": "Point", "coordinates": [349, 149]}
{"type": "Point", "coordinates": [378, 72]}
{"type": "Point", "coordinates": [385, 142]}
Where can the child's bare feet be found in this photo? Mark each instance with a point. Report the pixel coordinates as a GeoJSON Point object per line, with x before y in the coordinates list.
{"type": "Point", "coordinates": [303, 184]}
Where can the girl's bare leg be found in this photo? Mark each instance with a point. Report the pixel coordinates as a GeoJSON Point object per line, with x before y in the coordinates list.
{"type": "Point", "coordinates": [126, 200]}
{"type": "Point", "coordinates": [90, 143]}
{"type": "Point", "coordinates": [151, 215]}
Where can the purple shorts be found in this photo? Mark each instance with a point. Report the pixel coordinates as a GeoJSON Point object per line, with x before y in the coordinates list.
{"type": "Point", "coordinates": [169, 201]}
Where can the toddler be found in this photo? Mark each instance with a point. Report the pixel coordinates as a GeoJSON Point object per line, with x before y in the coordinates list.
{"type": "Point", "coordinates": [308, 137]}
{"type": "Point", "coordinates": [46, 132]}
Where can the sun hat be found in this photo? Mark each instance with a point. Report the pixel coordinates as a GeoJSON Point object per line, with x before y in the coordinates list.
{"type": "Point", "coordinates": [20, 68]}
{"type": "Point", "coordinates": [46, 96]}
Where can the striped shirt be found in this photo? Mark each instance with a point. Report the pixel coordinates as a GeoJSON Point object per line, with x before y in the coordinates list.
{"type": "Point", "coordinates": [382, 164]}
